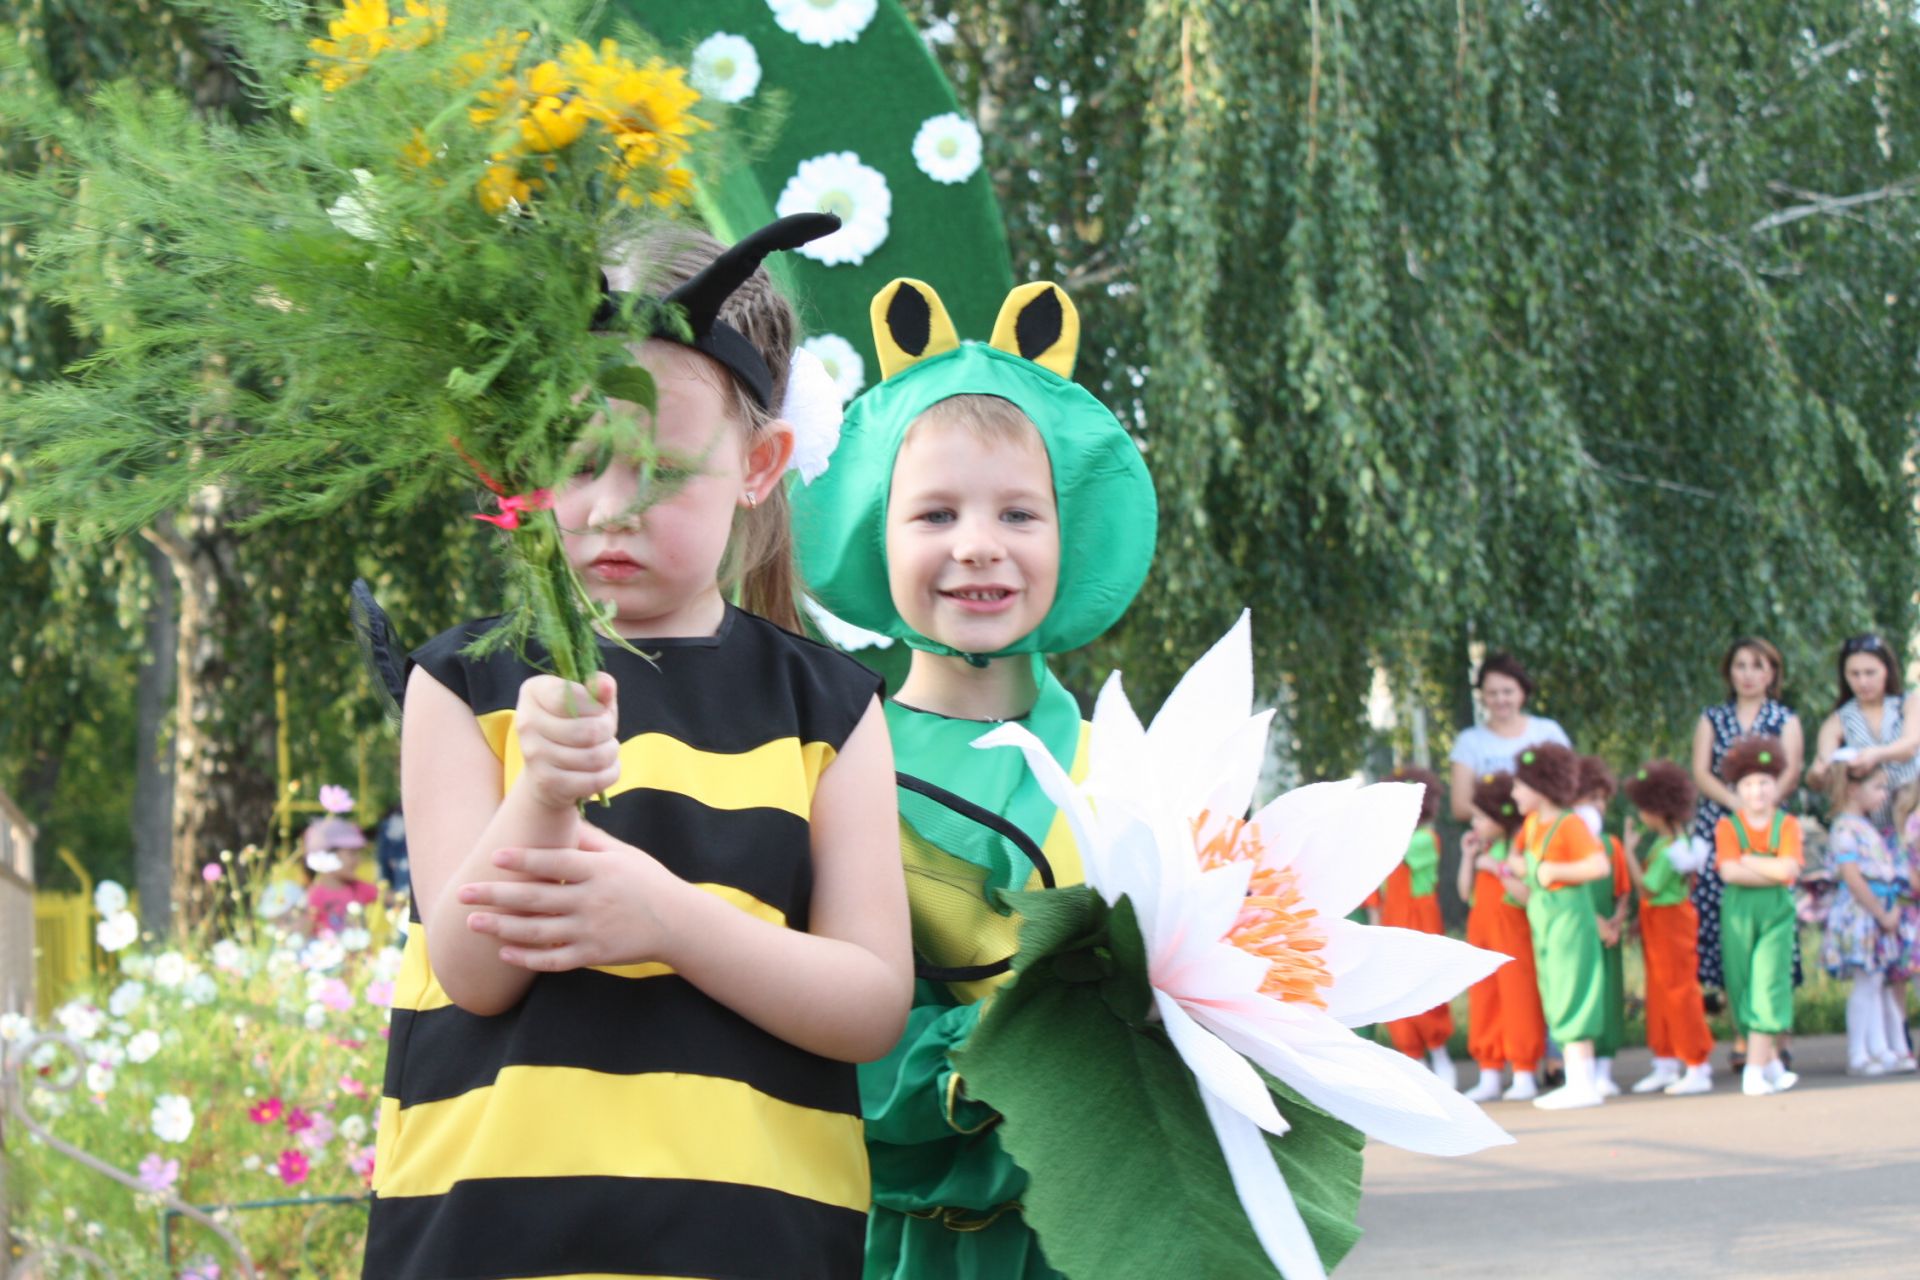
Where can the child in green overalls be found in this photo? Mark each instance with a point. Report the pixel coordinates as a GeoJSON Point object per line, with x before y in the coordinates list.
{"type": "Point", "coordinates": [1557, 854]}
{"type": "Point", "coordinates": [1758, 851]}
{"type": "Point", "coordinates": [986, 511]}
{"type": "Point", "coordinates": [1611, 894]}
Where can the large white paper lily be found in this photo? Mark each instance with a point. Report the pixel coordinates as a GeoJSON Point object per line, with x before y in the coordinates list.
{"type": "Point", "coordinates": [1249, 956]}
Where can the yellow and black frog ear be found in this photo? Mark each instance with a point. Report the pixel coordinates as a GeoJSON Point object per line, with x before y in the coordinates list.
{"type": "Point", "coordinates": [910, 324]}
{"type": "Point", "coordinates": [1038, 322]}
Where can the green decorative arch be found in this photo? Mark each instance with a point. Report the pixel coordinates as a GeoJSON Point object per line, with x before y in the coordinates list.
{"type": "Point", "coordinates": [868, 95]}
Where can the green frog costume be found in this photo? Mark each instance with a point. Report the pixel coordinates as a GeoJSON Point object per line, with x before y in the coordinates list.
{"type": "Point", "coordinates": [946, 1195]}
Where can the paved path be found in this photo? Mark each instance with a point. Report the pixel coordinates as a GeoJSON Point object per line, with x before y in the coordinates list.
{"type": "Point", "coordinates": [1823, 1181]}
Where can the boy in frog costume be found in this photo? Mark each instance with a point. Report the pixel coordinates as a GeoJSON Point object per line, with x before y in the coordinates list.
{"type": "Point", "coordinates": [986, 511]}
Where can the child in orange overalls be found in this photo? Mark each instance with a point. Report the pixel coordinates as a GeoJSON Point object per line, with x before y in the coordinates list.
{"type": "Point", "coordinates": [1504, 1023]}
{"type": "Point", "coordinates": [1410, 899]}
{"type": "Point", "coordinates": [1663, 794]}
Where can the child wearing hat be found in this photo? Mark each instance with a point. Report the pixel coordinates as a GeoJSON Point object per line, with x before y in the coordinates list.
{"type": "Point", "coordinates": [332, 846]}
{"type": "Point", "coordinates": [1410, 899]}
{"type": "Point", "coordinates": [1504, 1023]}
{"type": "Point", "coordinates": [1558, 854]}
{"type": "Point", "coordinates": [1612, 894]}
{"type": "Point", "coordinates": [1757, 849]}
{"type": "Point", "coordinates": [962, 480]}
{"type": "Point", "coordinates": [1663, 796]}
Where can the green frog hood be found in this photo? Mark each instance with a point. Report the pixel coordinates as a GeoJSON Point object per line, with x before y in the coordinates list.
{"type": "Point", "coordinates": [1108, 516]}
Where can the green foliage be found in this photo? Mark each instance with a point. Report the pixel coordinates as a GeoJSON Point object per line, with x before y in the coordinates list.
{"type": "Point", "coordinates": [1581, 330]}
{"type": "Point", "coordinates": [323, 309]}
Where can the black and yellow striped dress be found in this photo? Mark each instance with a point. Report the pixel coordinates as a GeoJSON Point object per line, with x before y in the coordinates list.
{"type": "Point", "coordinates": [618, 1122]}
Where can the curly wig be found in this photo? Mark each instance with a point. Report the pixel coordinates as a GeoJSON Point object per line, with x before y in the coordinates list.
{"type": "Point", "coordinates": [1552, 770]}
{"type": "Point", "coordinates": [1753, 755]}
{"type": "Point", "coordinates": [1596, 779]}
{"type": "Point", "coordinates": [1663, 789]}
{"type": "Point", "coordinates": [1493, 796]}
{"type": "Point", "coordinates": [1430, 798]}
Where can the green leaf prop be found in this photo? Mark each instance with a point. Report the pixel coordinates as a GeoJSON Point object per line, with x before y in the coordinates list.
{"type": "Point", "coordinates": [1128, 1180]}
{"type": "Point", "coordinates": [380, 293]}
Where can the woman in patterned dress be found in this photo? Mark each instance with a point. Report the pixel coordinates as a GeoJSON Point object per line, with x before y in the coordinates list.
{"type": "Point", "coordinates": [1873, 719]}
{"type": "Point", "coordinates": [1752, 670]}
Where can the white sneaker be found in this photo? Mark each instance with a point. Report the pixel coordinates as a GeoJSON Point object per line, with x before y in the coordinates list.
{"type": "Point", "coordinates": [1567, 1098]}
{"type": "Point", "coordinates": [1486, 1090]}
{"type": "Point", "coordinates": [1868, 1067]}
{"type": "Point", "coordinates": [1905, 1063]}
{"type": "Point", "coordinates": [1442, 1063]}
{"type": "Point", "coordinates": [1754, 1082]}
{"type": "Point", "coordinates": [1525, 1088]}
{"type": "Point", "coordinates": [1661, 1077]}
{"type": "Point", "coordinates": [1697, 1080]}
{"type": "Point", "coordinates": [1785, 1081]}
{"type": "Point", "coordinates": [1606, 1088]}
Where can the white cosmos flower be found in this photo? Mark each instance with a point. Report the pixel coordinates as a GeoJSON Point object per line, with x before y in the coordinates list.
{"type": "Point", "coordinates": [228, 957]}
{"type": "Point", "coordinates": [725, 67]}
{"type": "Point", "coordinates": [126, 998]}
{"type": "Point", "coordinates": [14, 1026]}
{"type": "Point", "coordinates": [838, 183]}
{"type": "Point", "coordinates": [172, 1118]}
{"type": "Point", "coordinates": [386, 965]}
{"type": "Point", "coordinates": [109, 897]}
{"type": "Point", "coordinates": [947, 148]}
{"type": "Point", "coordinates": [170, 969]}
{"type": "Point", "coordinates": [81, 1021]}
{"type": "Point", "coordinates": [842, 361]}
{"type": "Point", "coordinates": [117, 932]}
{"type": "Point", "coordinates": [143, 1046]}
{"type": "Point", "coordinates": [99, 1077]}
{"type": "Point", "coordinates": [280, 897]}
{"type": "Point", "coordinates": [355, 939]}
{"type": "Point", "coordinates": [201, 989]}
{"type": "Point", "coordinates": [1250, 959]}
{"type": "Point", "coordinates": [354, 1128]}
{"type": "Point", "coordinates": [824, 22]}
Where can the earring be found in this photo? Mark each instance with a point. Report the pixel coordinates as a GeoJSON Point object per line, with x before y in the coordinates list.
{"type": "Point", "coordinates": [753, 500]}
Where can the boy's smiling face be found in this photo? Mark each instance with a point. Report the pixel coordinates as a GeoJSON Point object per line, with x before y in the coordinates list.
{"type": "Point", "coordinates": [973, 536]}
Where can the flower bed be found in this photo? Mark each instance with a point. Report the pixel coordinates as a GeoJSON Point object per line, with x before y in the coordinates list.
{"type": "Point", "coordinates": [242, 1071]}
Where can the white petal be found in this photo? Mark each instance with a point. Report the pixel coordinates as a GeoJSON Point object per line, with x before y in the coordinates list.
{"type": "Point", "coordinates": [1060, 789]}
{"type": "Point", "coordinates": [1384, 1094]}
{"type": "Point", "coordinates": [1382, 973]}
{"type": "Point", "coordinates": [1340, 843]}
{"type": "Point", "coordinates": [1219, 1070]}
{"type": "Point", "coordinates": [1215, 691]}
{"type": "Point", "coordinates": [1206, 905]}
{"type": "Point", "coordinates": [1225, 781]}
{"type": "Point", "coordinates": [1263, 1193]}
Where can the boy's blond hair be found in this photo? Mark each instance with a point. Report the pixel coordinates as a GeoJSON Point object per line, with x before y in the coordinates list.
{"type": "Point", "coordinates": [989, 419]}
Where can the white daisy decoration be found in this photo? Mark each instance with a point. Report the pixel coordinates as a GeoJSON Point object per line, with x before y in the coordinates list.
{"type": "Point", "coordinates": [725, 67]}
{"type": "Point", "coordinates": [947, 148]}
{"type": "Point", "coordinates": [841, 633]}
{"type": "Point", "coordinates": [842, 361]}
{"type": "Point", "coordinates": [838, 183]}
{"type": "Point", "coordinates": [824, 22]}
{"type": "Point", "coordinates": [814, 408]}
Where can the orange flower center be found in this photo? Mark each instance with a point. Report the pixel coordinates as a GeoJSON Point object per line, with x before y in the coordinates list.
{"type": "Point", "coordinates": [1274, 923]}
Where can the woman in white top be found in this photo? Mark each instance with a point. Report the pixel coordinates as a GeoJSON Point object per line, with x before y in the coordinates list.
{"type": "Point", "coordinates": [1492, 747]}
{"type": "Point", "coordinates": [1873, 725]}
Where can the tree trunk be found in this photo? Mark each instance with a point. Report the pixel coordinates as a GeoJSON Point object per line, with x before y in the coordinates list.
{"type": "Point", "coordinates": [223, 785]}
{"type": "Point", "coordinates": [153, 764]}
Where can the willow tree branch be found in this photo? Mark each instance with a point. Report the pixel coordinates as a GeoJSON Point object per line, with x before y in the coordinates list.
{"type": "Point", "coordinates": [1817, 203]}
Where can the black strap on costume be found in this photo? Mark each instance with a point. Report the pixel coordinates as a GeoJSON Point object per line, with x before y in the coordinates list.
{"type": "Point", "coordinates": [1001, 827]}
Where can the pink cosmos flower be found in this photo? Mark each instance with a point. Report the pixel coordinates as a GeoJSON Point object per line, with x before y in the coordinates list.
{"type": "Point", "coordinates": [361, 1162]}
{"type": "Point", "coordinates": [212, 872]}
{"type": "Point", "coordinates": [335, 994]}
{"type": "Point", "coordinates": [292, 1167]}
{"type": "Point", "coordinates": [266, 1112]}
{"type": "Point", "coordinates": [352, 1088]}
{"type": "Point", "coordinates": [380, 993]}
{"type": "Point", "coordinates": [201, 1269]}
{"type": "Point", "coordinates": [158, 1175]}
{"type": "Point", "coordinates": [318, 1134]}
{"type": "Point", "coordinates": [298, 1121]}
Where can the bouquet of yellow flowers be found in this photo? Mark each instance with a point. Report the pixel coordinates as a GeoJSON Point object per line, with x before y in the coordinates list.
{"type": "Point", "coordinates": [382, 288]}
